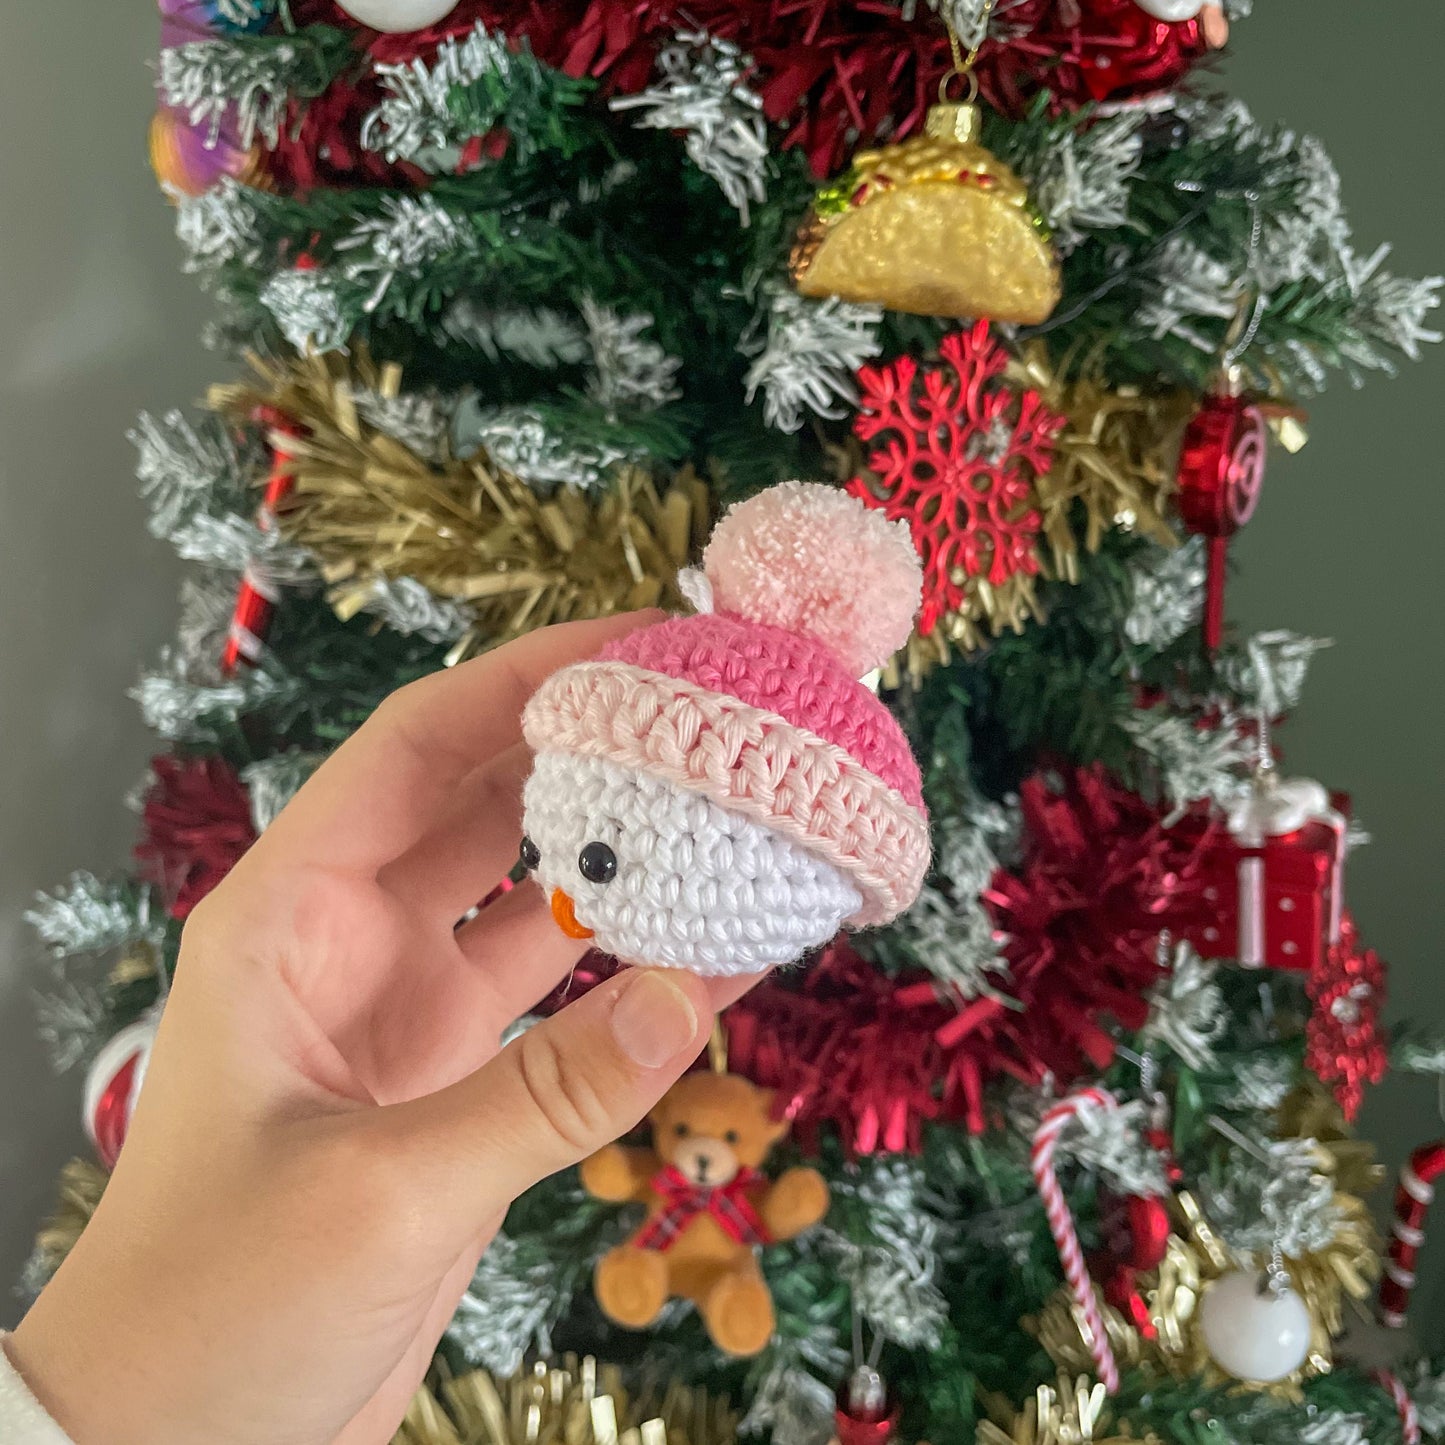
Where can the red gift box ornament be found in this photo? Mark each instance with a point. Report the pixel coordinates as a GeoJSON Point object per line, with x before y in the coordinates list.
{"type": "Point", "coordinates": [1221, 472]}
{"type": "Point", "coordinates": [1274, 883]}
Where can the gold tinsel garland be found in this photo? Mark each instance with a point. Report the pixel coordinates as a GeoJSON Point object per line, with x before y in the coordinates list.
{"type": "Point", "coordinates": [78, 1192]}
{"type": "Point", "coordinates": [568, 1402]}
{"type": "Point", "coordinates": [1074, 1411]}
{"type": "Point", "coordinates": [1197, 1256]}
{"type": "Point", "coordinates": [1117, 456]}
{"type": "Point", "coordinates": [371, 510]}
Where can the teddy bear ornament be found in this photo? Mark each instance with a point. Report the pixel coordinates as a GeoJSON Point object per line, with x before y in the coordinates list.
{"type": "Point", "coordinates": [709, 1209]}
{"type": "Point", "coordinates": [719, 792]}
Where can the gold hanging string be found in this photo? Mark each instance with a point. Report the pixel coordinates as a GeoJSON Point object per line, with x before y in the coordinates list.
{"type": "Point", "coordinates": [963, 63]}
{"type": "Point", "coordinates": [717, 1048]}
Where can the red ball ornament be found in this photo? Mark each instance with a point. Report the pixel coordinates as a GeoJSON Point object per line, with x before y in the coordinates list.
{"type": "Point", "coordinates": [112, 1085]}
{"type": "Point", "coordinates": [1087, 51]}
{"type": "Point", "coordinates": [1134, 1238]}
{"type": "Point", "coordinates": [1221, 472]}
{"type": "Point", "coordinates": [866, 1413]}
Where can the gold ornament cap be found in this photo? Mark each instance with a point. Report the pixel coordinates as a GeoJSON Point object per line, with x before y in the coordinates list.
{"type": "Point", "coordinates": [960, 121]}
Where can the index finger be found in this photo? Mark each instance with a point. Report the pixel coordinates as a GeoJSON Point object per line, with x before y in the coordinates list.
{"type": "Point", "coordinates": [380, 791]}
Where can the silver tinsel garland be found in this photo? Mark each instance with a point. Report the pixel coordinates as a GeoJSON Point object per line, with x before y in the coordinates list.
{"type": "Point", "coordinates": [536, 336]}
{"type": "Point", "coordinates": [1081, 182]}
{"type": "Point", "coordinates": [69, 1017]}
{"type": "Point", "coordinates": [1282, 1198]}
{"type": "Point", "coordinates": [1167, 594]}
{"type": "Point", "coordinates": [701, 93]}
{"type": "Point", "coordinates": [176, 703]}
{"type": "Point", "coordinates": [516, 1296]}
{"type": "Point", "coordinates": [306, 307]}
{"type": "Point", "coordinates": [948, 930]}
{"type": "Point", "coordinates": [1269, 676]}
{"type": "Point", "coordinates": [208, 602]}
{"type": "Point", "coordinates": [182, 466]}
{"type": "Point", "coordinates": [416, 232]}
{"type": "Point", "coordinates": [892, 1275]}
{"type": "Point", "coordinates": [218, 227]}
{"type": "Point", "coordinates": [414, 121]}
{"type": "Point", "coordinates": [520, 441]}
{"type": "Point", "coordinates": [806, 354]}
{"type": "Point", "coordinates": [1191, 762]}
{"type": "Point", "coordinates": [273, 782]}
{"type": "Point", "coordinates": [89, 915]}
{"type": "Point", "coordinates": [213, 80]}
{"type": "Point", "coordinates": [790, 1403]}
{"type": "Point", "coordinates": [630, 371]}
{"type": "Point", "coordinates": [1111, 1143]}
{"type": "Point", "coordinates": [406, 606]}
{"type": "Point", "coordinates": [420, 420]}
{"type": "Point", "coordinates": [1260, 1083]}
{"type": "Point", "coordinates": [1186, 1010]}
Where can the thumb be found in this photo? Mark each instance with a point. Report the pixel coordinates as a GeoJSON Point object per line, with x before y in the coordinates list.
{"type": "Point", "coordinates": [561, 1091]}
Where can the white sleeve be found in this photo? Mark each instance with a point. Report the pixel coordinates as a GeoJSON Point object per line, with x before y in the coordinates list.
{"type": "Point", "coordinates": [22, 1421]}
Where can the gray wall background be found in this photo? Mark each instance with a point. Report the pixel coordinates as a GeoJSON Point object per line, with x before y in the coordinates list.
{"type": "Point", "coordinates": [96, 323]}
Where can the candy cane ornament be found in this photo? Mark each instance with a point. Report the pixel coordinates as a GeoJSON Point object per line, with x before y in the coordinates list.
{"type": "Point", "coordinates": [259, 594]}
{"type": "Point", "coordinates": [1061, 1224]}
{"type": "Point", "coordinates": [1412, 1204]}
{"type": "Point", "coordinates": [1404, 1405]}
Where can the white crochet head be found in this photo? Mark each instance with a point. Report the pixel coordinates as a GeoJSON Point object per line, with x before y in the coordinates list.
{"type": "Point", "coordinates": [693, 886]}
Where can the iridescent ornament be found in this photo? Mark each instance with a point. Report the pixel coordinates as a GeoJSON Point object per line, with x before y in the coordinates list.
{"type": "Point", "coordinates": [936, 225]}
{"type": "Point", "coordinates": [1255, 1326]}
{"type": "Point", "coordinates": [187, 162]}
{"type": "Point", "coordinates": [397, 17]}
{"type": "Point", "coordinates": [112, 1085]}
{"type": "Point", "coordinates": [185, 20]}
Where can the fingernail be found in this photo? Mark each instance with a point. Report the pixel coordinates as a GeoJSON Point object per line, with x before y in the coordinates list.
{"type": "Point", "coordinates": [653, 1020]}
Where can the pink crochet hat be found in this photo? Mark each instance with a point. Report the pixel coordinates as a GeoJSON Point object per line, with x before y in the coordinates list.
{"type": "Point", "coordinates": [756, 704]}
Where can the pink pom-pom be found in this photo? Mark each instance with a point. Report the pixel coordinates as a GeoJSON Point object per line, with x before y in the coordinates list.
{"type": "Point", "coordinates": [812, 559]}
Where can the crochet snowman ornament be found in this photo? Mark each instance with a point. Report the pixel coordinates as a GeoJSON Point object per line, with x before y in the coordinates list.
{"type": "Point", "coordinates": [720, 792]}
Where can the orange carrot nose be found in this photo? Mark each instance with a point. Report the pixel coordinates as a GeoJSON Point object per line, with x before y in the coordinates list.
{"type": "Point", "coordinates": [566, 916]}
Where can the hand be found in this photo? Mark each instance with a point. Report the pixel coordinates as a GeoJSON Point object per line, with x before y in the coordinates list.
{"type": "Point", "coordinates": [328, 1136]}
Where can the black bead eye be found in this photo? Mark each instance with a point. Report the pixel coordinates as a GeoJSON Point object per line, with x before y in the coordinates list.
{"type": "Point", "coordinates": [731, 1137]}
{"type": "Point", "coordinates": [531, 854]}
{"type": "Point", "coordinates": [682, 1131]}
{"type": "Point", "coordinates": [597, 863]}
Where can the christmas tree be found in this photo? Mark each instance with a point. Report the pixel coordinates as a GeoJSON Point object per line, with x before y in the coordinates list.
{"type": "Point", "coordinates": [522, 297]}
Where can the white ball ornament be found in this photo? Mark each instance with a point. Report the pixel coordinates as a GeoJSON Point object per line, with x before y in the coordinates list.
{"type": "Point", "coordinates": [1171, 10]}
{"type": "Point", "coordinates": [396, 17]}
{"type": "Point", "coordinates": [1255, 1330]}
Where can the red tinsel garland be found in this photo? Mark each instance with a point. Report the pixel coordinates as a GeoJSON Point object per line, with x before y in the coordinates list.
{"type": "Point", "coordinates": [1080, 919]}
{"type": "Point", "coordinates": [834, 76]}
{"type": "Point", "coordinates": [196, 825]}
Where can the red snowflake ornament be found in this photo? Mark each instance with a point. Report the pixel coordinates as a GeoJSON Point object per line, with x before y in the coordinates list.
{"type": "Point", "coordinates": [1344, 1043]}
{"type": "Point", "coordinates": [957, 456]}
